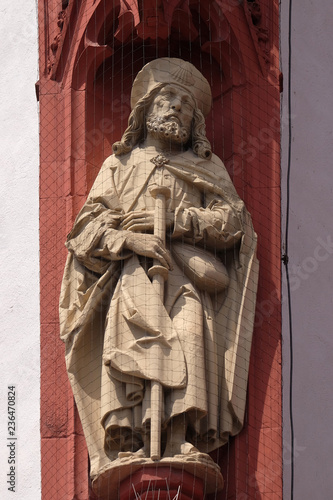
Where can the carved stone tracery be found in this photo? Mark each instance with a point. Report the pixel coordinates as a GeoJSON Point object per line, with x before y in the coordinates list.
{"type": "Point", "coordinates": [57, 39]}
{"type": "Point", "coordinates": [170, 22]}
{"type": "Point", "coordinates": [262, 33]}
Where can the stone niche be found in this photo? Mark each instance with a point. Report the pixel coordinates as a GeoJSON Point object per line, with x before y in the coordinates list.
{"type": "Point", "coordinates": [90, 53]}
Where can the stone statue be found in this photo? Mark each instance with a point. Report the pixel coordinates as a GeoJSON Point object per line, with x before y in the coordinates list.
{"type": "Point", "coordinates": [158, 296]}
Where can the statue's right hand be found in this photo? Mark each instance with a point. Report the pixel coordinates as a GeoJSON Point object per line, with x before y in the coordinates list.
{"type": "Point", "coordinates": [149, 245]}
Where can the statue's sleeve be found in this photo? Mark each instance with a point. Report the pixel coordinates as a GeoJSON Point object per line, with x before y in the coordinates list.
{"type": "Point", "coordinates": [218, 222]}
{"type": "Point", "coordinates": [95, 240]}
{"type": "Point", "coordinates": [217, 225]}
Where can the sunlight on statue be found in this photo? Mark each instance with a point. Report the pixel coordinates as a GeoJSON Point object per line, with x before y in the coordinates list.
{"type": "Point", "coordinates": [158, 296]}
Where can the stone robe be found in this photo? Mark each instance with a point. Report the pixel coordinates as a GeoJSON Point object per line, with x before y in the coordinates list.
{"type": "Point", "coordinates": [198, 346]}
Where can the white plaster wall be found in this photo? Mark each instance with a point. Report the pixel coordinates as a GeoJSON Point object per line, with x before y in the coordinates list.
{"type": "Point", "coordinates": [19, 272]}
{"type": "Point", "coordinates": [310, 247]}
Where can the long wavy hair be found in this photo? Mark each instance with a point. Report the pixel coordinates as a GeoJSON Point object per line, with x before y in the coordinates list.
{"type": "Point", "coordinates": [136, 131]}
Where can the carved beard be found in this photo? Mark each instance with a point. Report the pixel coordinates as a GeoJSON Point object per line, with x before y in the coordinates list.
{"type": "Point", "coordinates": [165, 129]}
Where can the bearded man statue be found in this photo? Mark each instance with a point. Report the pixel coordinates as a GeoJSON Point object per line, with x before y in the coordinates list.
{"type": "Point", "coordinates": [121, 335]}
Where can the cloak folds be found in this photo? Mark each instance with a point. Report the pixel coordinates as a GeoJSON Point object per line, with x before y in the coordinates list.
{"type": "Point", "coordinates": [114, 347]}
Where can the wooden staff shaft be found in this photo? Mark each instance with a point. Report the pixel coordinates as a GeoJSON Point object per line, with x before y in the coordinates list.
{"type": "Point", "coordinates": [160, 194]}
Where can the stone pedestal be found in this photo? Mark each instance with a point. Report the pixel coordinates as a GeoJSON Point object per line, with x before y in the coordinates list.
{"type": "Point", "coordinates": [136, 478]}
{"type": "Point", "coordinates": [161, 483]}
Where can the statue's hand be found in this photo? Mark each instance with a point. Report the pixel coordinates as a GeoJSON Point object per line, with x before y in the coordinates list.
{"type": "Point", "coordinates": [143, 221]}
{"type": "Point", "coordinates": [149, 245]}
{"type": "Point", "coordinates": [138, 221]}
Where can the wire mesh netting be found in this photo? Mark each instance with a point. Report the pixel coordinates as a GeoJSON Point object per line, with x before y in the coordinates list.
{"type": "Point", "coordinates": [156, 367]}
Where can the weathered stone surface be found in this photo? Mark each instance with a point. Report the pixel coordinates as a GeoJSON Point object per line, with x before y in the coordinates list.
{"type": "Point", "coordinates": [158, 340]}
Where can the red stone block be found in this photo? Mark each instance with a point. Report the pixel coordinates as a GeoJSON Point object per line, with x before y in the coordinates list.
{"type": "Point", "coordinates": [64, 471]}
{"type": "Point", "coordinates": [56, 394]}
{"type": "Point", "coordinates": [57, 468]}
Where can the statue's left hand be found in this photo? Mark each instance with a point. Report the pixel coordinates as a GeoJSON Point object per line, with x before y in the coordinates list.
{"type": "Point", "coordinates": [142, 221]}
{"type": "Point", "coordinates": [138, 221]}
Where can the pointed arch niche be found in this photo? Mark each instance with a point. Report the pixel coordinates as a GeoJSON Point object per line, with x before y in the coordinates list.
{"type": "Point", "coordinates": [90, 53]}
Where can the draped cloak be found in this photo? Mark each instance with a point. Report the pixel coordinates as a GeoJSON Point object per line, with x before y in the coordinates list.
{"type": "Point", "coordinates": [199, 346]}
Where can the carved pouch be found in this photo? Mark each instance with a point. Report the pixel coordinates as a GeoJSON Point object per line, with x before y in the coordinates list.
{"type": "Point", "coordinates": [202, 267]}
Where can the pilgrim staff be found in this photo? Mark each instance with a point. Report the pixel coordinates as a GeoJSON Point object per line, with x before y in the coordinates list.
{"type": "Point", "coordinates": [159, 274]}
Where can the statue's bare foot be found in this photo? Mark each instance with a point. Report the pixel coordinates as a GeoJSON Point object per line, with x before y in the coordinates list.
{"type": "Point", "coordinates": [134, 454]}
{"type": "Point", "coordinates": [179, 448]}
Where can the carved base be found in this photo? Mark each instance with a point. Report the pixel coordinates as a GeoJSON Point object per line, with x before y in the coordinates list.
{"type": "Point", "coordinates": [162, 483]}
{"type": "Point", "coordinates": [131, 477]}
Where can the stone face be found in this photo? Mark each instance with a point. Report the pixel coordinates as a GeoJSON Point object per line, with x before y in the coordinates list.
{"type": "Point", "coordinates": [158, 296]}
